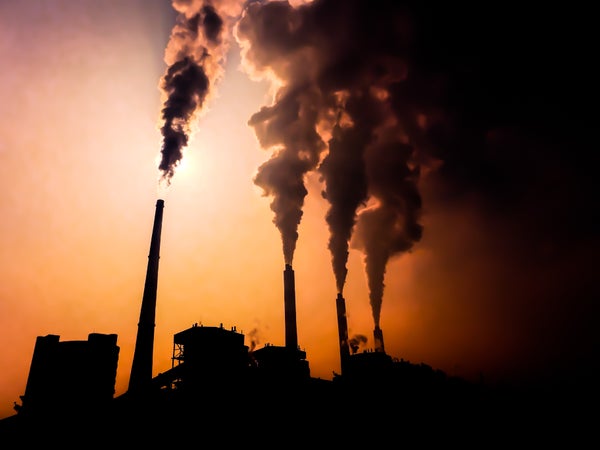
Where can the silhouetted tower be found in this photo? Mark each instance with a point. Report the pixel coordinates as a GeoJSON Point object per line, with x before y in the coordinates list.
{"type": "Point", "coordinates": [342, 321]}
{"type": "Point", "coordinates": [289, 298]}
{"type": "Point", "coordinates": [141, 369]}
{"type": "Point", "coordinates": [378, 337]}
{"type": "Point", "coordinates": [71, 377]}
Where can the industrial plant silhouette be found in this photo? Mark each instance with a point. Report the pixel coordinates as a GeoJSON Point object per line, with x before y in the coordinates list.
{"type": "Point", "coordinates": [217, 385]}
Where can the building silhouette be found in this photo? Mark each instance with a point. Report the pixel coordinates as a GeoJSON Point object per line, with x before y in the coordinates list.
{"type": "Point", "coordinates": [217, 388]}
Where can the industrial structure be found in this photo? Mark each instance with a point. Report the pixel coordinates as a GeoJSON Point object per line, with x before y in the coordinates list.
{"type": "Point", "coordinates": [211, 368]}
{"type": "Point", "coordinates": [141, 369]}
{"type": "Point", "coordinates": [70, 375]}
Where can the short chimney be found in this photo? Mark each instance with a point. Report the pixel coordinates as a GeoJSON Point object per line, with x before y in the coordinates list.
{"type": "Point", "coordinates": [378, 337]}
{"type": "Point", "coordinates": [342, 321]}
{"type": "Point", "coordinates": [289, 293]}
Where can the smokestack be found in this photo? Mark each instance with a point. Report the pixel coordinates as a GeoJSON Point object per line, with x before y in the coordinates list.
{"type": "Point", "coordinates": [289, 298]}
{"type": "Point", "coordinates": [141, 369]}
{"type": "Point", "coordinates": [378, 336]}
{"type": "Point", "coordinates": [340, 304]}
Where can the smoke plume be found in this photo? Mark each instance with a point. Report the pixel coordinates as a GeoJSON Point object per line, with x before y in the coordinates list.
{"type": "Point", "coordinates": [289, 128]}
{"type": "Point", "coordinates": [391, 226]}
{"type": "Point", "coordinates": [357, 341]}
{"type": "Point", "coordinates": [195, 53]}
{"type": "Point", "coordinates": [337, 63]}
{"type": "Point", "coordinates": [254, 339]}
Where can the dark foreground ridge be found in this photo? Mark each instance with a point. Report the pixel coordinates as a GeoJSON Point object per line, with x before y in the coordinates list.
{"type": "Point", "coordinates": [218, 391]}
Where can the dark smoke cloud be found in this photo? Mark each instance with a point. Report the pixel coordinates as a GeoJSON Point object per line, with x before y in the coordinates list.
{"type": "Point", "coordinates": [186, 85]}
{"type": "Point", "coordinates": [254, 338]}
{"type": "Point", "coordinates": [336, 62]}
{"type": "Point", "coordinates": [195, 53]}
{"type": "Point", "coordinates": [391, 226]}
{"type": "Point", "coordinates": [469, 107]}
{"type": "Point", "coordinates": [343, 170]}
{"type": "Point", "coordinates": [289, 127]}
{"type": "Point", "coordinates": [357, 341]}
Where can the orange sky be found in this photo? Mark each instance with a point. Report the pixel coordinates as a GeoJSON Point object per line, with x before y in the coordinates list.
{"type": "Point", "coordinates": [79, 146]}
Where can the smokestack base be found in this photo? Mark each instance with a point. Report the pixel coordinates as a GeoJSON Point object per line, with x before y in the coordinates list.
{"type": "Point", "coordinates": [340, 304]}
{"type": "Point", "coordinates": [378, 338]}
{"type": "Point", "coordinates": [289, 298]}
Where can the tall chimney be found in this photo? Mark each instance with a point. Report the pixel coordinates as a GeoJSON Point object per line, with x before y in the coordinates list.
{"type": "Point", "coordinates": [342, 321]}
{"type": "Point", "coordinates": [378, 336]}
{"type": "Point", "coordinates": [141, 369]}
{"type": "Point", "coordinates": [289, 298]}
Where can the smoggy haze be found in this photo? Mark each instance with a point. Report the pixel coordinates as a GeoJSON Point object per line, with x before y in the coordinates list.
{"type": "Point", "coordinates": [433, 164]}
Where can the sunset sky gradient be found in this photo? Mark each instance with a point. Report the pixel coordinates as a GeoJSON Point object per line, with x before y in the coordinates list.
{"type": "Point", "coordinates": [492, 275]}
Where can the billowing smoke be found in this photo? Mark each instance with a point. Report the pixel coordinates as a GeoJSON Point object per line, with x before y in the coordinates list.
{"type": "Point", "coordinates": [357, 341]}
{"type": "Point", "coordinates": [194, 55]}
{"type": "Point", "coordinates": [391, 226]}
{"type": "Point", "coordinates": [254, 338]}
{"type": "Point", "coordinates": [336, 62]}
{"type": "Point", "coordinates": [344, 173]}
{"type": "Point", "coordinates": [288, 127]}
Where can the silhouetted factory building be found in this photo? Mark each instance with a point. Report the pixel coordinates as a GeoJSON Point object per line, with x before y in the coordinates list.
{"type": "Point", "coordinates": [205, 356]}
{"type": "Point", "coordinates": [211, 350]}
{"type": "Point", "coordinates": [212, 369]}
{"type": "Point", "coordinates": [71, 375]}
{"type": "Point", "coordinates": [84, 372]}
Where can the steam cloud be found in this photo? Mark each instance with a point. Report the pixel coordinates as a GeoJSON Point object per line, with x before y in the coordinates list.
{"type": "Point", "coordinates": [337, 63]}
{"type": "Point", "coordinates": [196, 50]}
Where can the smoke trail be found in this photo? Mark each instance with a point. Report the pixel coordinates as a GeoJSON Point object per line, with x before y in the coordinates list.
{"type": "Point", "coordinates": [289, 127]}
{"type": "Point", "coordinates": [356, 341]}
{"type": "Point", "coordinates": [195, 53]}
{"type": "Point", "coordinates": [343, 170]}
{"type": "Point", "coordinates": [345, 189]}
{"type": "Point", "coordinates": [337, 62]}
{"type": "Point", "coordinates": [391, 225]}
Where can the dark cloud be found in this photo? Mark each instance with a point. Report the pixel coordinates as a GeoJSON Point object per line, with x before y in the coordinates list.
{"type": "Point", "coordinates": [357, 341]}
{"type": "Point", "coordinates": [195, 54]}
{"type": "Point", "coordinates": [337, 62]}
{"type": "Point", "coordinates": [416, 112]}
{"type": "Point", "coordinates": [186, 85]}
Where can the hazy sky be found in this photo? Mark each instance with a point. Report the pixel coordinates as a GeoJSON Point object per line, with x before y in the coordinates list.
{"type": "Point", "coordinates": [457, 139]}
